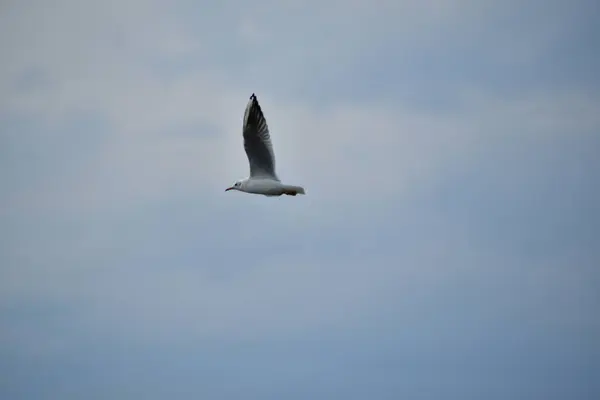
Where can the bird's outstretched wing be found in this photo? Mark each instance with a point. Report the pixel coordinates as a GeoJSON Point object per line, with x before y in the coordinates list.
{"type": "Point", "coordinates": [257, 141]}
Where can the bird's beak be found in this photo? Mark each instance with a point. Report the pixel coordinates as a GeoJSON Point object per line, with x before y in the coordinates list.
{"type": "Point", "coordinates": [229, 188]}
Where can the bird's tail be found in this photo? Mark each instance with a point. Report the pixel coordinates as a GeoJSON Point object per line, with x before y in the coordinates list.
{"type": "Point", "coordinates": [291, 190]}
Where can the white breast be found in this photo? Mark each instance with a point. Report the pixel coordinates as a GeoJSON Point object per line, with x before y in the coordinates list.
{"type": "Point", "coordinates": [264, 186]}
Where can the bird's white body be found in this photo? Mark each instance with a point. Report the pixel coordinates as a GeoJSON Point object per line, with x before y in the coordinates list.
{"type": "Point", "coordinates": [267, 187]}
{"type": "Point", "coordinates": [257, 144]}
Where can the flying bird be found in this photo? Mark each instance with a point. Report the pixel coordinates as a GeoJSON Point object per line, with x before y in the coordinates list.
{"type": "Point", "coordinates": [259, 149]}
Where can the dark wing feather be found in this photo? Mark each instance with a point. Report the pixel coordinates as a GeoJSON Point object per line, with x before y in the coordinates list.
{"type": "Point", "coordinates": [257, 141]}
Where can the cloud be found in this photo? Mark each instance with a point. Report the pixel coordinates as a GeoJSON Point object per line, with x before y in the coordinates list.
{"type": "Point", "coordinates": [114, 69]}
{"type": "Point", "coordinates": [449, 226]}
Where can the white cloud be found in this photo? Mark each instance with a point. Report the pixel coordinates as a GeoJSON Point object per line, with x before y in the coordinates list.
{"type": "Point", "coordinates": [354, 151]}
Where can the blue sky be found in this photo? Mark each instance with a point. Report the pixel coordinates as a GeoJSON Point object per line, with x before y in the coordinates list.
{"type": "Point", "coordinates": [447, 248]}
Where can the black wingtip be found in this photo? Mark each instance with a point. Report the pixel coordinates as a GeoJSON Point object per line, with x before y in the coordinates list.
{"type": "Point", "coordinates": [253, 97]}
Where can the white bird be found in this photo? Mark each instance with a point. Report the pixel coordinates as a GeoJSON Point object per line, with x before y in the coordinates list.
{"type": "Point", "coordinates": [259, 149]}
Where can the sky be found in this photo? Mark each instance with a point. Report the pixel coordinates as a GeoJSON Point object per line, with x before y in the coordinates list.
{"type": "Point", "coordinates": [448, 246]}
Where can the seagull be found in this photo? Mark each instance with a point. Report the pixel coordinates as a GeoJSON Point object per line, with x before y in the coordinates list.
{"type": "Point", "coordinates": [259, 149]}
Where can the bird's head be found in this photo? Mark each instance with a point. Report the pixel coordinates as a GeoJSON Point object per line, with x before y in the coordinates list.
{"type": "Point", "coordinates": [236, 186]}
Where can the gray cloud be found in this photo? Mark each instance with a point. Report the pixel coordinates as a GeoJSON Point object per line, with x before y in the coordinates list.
{"type": "Point", "coordinates": [446, 247]}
